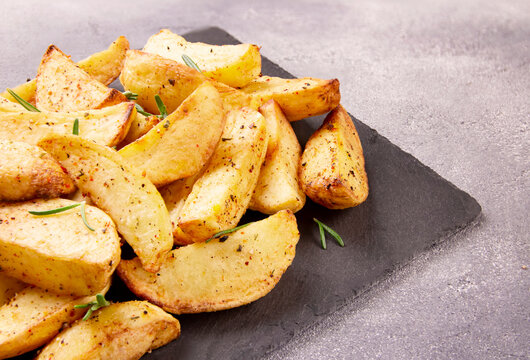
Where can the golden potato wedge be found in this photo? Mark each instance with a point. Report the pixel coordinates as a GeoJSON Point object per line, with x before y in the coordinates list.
{"type": "Point", "coordinates": [34, 316]}
{"type": "Point", "coordinates": [9, 286]}
{"type": "Point", "coordinates": [104, 66]}
{"type": "Point", "coordinates": [180, 145]}
{"type": "Point", "coordinates": [63, 86]}
{"type": "Point", "coordinates": [234, 99]}
{"type": "Point", "coordinates": [221, 195]}
{"type": "Point", "coordinates": [278, 187]}
{"type": "Point", "coordinates": [234, 270]}
{"type": "Point", "coordinates": [121, 331]}
{"type": "Point", "coordinates": [331, 169]}
{"type": "Point", "coordinates": [234, 65]}
{"type": "Point", "coordinates": [140, 125]}
{"type": "Point", "coordinates": [106, 126]}
{"type": "Point", "coordinates": [148, 75]}
{"type": "Point", "coordinates": [58, 252]}
{"type": "Point", "coordinates": [130, 199]}
{"type": "Point", "coordinates": [298, 98]}
{"type": "Point", "coordinates": [28, 172]}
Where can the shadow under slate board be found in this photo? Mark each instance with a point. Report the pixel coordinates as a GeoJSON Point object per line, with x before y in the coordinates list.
{"type": "Point", "coordinates": [410, 208]}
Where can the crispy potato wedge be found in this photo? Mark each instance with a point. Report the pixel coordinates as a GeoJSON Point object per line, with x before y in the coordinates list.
{"type": "Point", "coordinates": [58, 252]}
{"type": "Point", "coordinates": [104, 66]}
{"type": "Point", "coordinates": [298, 98]}
{"type": "Point", "coordinates": [106, 126]}
{"type": "Point", "coordinates": [278, 187]}
{"type": "Point", "coordinates": [121, 331]}
{"type": "Point", "coordinates": [130, 199]}
{"type": "Point", "coordinates": [28, 172]}
{"type": "Point", "coordinates": [9, 286]}
{"type": "Point", "coordinates": [34, 316]}
{"type": "Point", "coordinates": [180, 145]}
{"type": "Point", "coordinates": [331, 169]}
{"type": "Point", "coordinates": [221, 195]}
{"type": "Point", "coordinates": [140, 126]}
{"type": "Point", "coordinates": [234, 65]}
{"type": "Point", "coordinates": [148, 75]}
{"type": "Point", "coordinates": [234, 99]}
{"type": "Point", "coordinates": [235, 270]}
{"type": "Point", "coordinates": [63, 86]}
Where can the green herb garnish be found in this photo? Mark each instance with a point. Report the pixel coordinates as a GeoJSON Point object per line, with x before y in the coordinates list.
{"type": "Point", "coordinates": [93, 306]}
{"type": "Point", "coordinates": [65, 208]}
{"type": "Point", "coordinates": [188, 61]}
{"type": "Point", "coordinates": [333, 233]}
{"type": "Point", "coordinates": [161, 107]}
{"type": "Point", "coordinates": [141, 110]}
{"type": "Point", "coordinates": [22, 102]}
{"type": "Point", "coordinates": [130, 95]}
{"type": "Point", "coordinates": [75, 131]}
{"type": "Point", "coordinates": [224, 232]}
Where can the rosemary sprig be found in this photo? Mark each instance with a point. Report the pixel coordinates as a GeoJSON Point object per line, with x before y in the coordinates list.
{"type": "Point", "coordinates": [161, 107]}
{"type": "Point", "coordinates": [22, 102]}
{"type": "Point", "coordinates": [65, 208]}
{"type": "Point", "coordinates": [130, 95]}
{"type": "Point", "coordinates": [75, 131]}
{"type": "Point", "coordinates": [93, 306]}
{"type": "Point", "coordinates": [333, 233]}
{"type": "Point", "coordinates": [141, 110]}
{"type": "Point", "coordinates": [189, 62]}
{"type": "Point", "coordinates": [224, 232]}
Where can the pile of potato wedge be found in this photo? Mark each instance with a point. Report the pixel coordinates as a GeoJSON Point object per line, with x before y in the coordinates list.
{"type": "Point", "coordinates": [169, 166]}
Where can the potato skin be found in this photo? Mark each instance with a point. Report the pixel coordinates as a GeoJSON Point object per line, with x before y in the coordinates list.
{"type": "Point", "coordinates": [58, 252]}
{"type": "Point", "coordinates": [28, 172]}
{"type": "Point", "coordinates": [121, 331]}
{"type": "Point", "coordinates": [224, 273]}
{"type": "Point", "coordinates": [332, 169]}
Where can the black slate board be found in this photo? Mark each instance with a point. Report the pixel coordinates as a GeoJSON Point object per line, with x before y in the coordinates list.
{"type": "Point", "coordinates": [410, 208]}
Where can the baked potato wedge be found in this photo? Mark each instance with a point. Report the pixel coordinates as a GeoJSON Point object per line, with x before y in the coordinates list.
{"type": "Point", "coordinates": [233, 65]}
{"type": "Point", "coordinates": [34, 316]}
{"type": "Point", "coordinates": [225, 273]}
{"type": "Point", "coordinates": [104, 66]}
{"type": "Point", "coordinates": [130, 199]}
{"type": "Point", "coordinates": [9, 286]}
{"type": "Point", "coordinates": [278, 187]}
{"type": "Point", "coordinates": [107, 126]}
{"type": "Point", "coordinates": [63, 86]}
{"type": "Point", "coordinates": [140, 126]}
{"type": "Point", "coordinates": [28, 172]}
{"type": "Point", "coordinates": [332, 169]}
{"type": "Point", "coordinates": [298, 98]}
{"type": "Point", "coordinates": [148, 75]}
{"type": "Point", "coordinates": [221, 195]}
{"type": "Point", "coordinates": [58, 252]}
{"type": "Point", "coordinates": [180, 145]}
{"type": "Point", "coordinates": [121, 331]}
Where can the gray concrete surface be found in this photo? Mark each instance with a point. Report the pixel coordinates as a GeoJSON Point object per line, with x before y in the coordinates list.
{"type": "Point", "coordinates": [448, 81]}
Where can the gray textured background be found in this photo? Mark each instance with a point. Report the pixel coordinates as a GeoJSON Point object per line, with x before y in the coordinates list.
{"type": "Point", "coordinates": [448, 81]}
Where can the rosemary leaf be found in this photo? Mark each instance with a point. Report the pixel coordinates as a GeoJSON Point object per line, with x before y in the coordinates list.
{"type": "Point", "coordinates": [22, 102]}
{"type": "Point", "coordinates": [83, 216]}
{"type": "Point", "coordinates": [130, 95]}
{"type": "Point", "coordinates": [161, 107]}
{"type": "Point", "coordinates": [224, 232]}
{"type": "Point", "coordinates": [141, 110]}
{"type": "Point", "coordinates": [322, 237]}
{"type": "Point", "coordinates": [53, 211]}
{"type": "Point", "coordinates": [93, 306]}
{"type": "Point", "coordinates": [75, 131]}
{"type": "Point", "coordinates": [190, 63]}
{"type": "Point", "coordinates": [332, 232]}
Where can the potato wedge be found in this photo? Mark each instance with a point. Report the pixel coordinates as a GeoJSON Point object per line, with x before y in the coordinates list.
{"type": "Point", "coordinates": [140, 126]}
{"type": "Point", "coordinates": [180, 145]}
{"type": "Point", "coordinates": [58, 252]}
{"type": "Point", "coordinates": [234, 99]}
{"type": "Point", "coordinates": [130, 199]}
{"type": "Point", "coordinates": [148, 75]}
{"type": "Point", "coordinates": [28, 172]}
{"type": "Point", "coordinates": [34, 316]}
{"type": "Point", "coordinates": [9, 286]}
{"type": "Point", "coordinates": [221, 195]}
{"type": "Point", "coordinates": [235, 270]}
{"type": "Point", "coordinates": [278, 187]}
{"type": "Point", "coordinates": [63, 86]}
{"type": "Point", "coordinates": [104, 66]}
{"type": "Point", "coordinates": [121, 331]}
{"type": "Point", "coordinates": [233, 65]}
{"type": "Point", "coordinates": [298, 98]}
{"type": "Point", "coordinates": [332, 170]}
{"type": "Point", "coordinates": [106, 126]}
